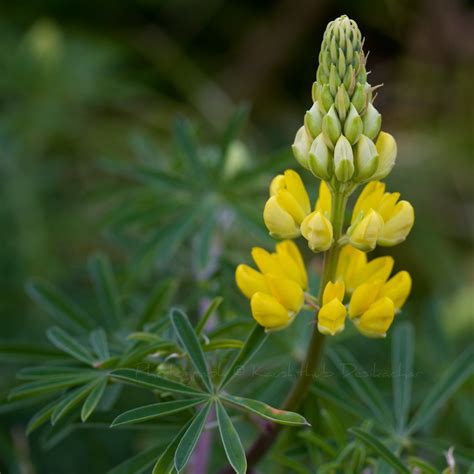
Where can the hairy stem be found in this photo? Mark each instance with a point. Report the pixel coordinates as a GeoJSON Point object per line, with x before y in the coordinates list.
{"type": "Point", "coordinates": [315, 348]}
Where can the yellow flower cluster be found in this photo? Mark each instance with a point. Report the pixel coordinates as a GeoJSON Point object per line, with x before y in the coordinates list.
{"type": "Point", "coordinates": [276, 291]}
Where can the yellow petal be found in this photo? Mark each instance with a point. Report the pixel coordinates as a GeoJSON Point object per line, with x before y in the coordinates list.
{"type": "Point", "coordinates": [323, 204]}
{"type": "Point", "coordinates": [268, 312]}
{"type": "Point", "coordinates": [278, 183]}
{"type": "Point", "coordinates": [377, 269]}
{"type": "Point", "coordinates": [387, 150]}
{"type": "Point", "coordinates": [364, 295]}
{"type": "Point", "coordinates": [368, 198]}
{"type": "Point", "coordinates": [365, 233]}
{"type": "Point", "coordinates": [250, 281]}
{"type": "Point", "coordinates": [376, 321]}
{"type": "Point", "coordinates": [397, 289]}
{"type": "Point", "coordinates": [295, 186]}
{"type": "Point", "coordinates": [288, 202]}
{"type": "Point", "coordinates": [267, 262]}
{"type": "Point", "coordinates": [331, 318]}
{"type": "Point", "coordinates": [333, 290]}
{"type": "Point", "coordinates": [287, 292]}
{"type": "Point", "coordinates": [386, 206]}
{"type": "Point", "coordinates": [290, 259]}
{"type": "Point", "coordinates": [398, 225]}
{"type": "Point", "coordinates": [317, 230]}
{"type": "Point", "coordinates": [349, 267]}
{"type": "Point", "coordinates": [278, 221]}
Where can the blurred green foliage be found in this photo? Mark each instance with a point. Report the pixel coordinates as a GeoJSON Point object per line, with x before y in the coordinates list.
{"type": "Point", "coordinates": [90, 96]}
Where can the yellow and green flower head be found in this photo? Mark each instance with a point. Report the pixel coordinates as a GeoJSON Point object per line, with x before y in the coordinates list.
{"type": "Point", "coordinates": [340, 143]}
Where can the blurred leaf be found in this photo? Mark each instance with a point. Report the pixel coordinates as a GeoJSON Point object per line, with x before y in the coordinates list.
{"type": "Point", "coordinates": [203, 243]}
{"type": "Point", "coordinates": [69, 345]}
{"type": "Point", "coordinates": [451, 380]}
{"type": "Point", "coordinates": [58, 305]}
{"type": "Point", "coordinates": [155, 410]}
{"type": "Point", "coordinates": [422, 467]}
{"type": "Point", "coordinates": [185, 139]}
{"type": "Point", "coordinates": [340, 400]}
{"type": "Point", "coordinates": [318, 441]}
{"type": "Point", "coordinates": [154, 382]}
{"type": "Point", "coordinates": [41, 417]}
{"type": "Point", "coordinates": [233, 127]}
{"type": "Point", "coordinates": [213, 305]}
{"type": "Point", "coordinates": [334, 425]}
{"type": "Point", "coordinates": [50, 372]}
{"type": "Point", "coordinates": [402, 366]}
{"type": "Point", "coordinates": [189, 341]}
{"type": "Point", "coordinates": [346, 364]}
{"type": "Point", "coordinates": [93, 398]}
{"type": "Point", "coordinates": [380, 449]}
{"type": "Point", "coordinates": [230, 439]}
{"type": "Point", "coordinates": [266, 411]}
{"type": "Point", "coordinates": [252, 344]}
{"type": "Point", "coordinates": [70, 400]}
{"type": "Point", "coordinates": [19, 351]}
{"type": "Point", "coordinates": [223, 344]}
{"type": "Point", "coordinates": [158, 302]}
{"type": "Point", "coordinates": [106, 289]}
{"type": "Point", "coordinates": [98, 339]}
{"type": "Point", "coordinates": [139, 463]}
{"type": "Point", "coordinates": [292, 464]}
{"type": "Point", "coordinates": [190, 438]}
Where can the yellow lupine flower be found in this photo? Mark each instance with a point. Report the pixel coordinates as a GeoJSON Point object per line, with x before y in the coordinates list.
{"type": "Point", "coordinates": [398, 217]}
{"type": "Point", "coordinates": [323, 204]}
{"type": "Point", "coordinates": [332, 315]}
{"type": "Point", "coordinates": [287, 206]}
{"type": "Point", "coordinates": [377, 269]}
{"type": "Point", "coordinates": [397, 289]}
{"type": "Point", "coordinates": [364, 233]}
{"type": "Point", "coordinates": [276, 291]}
{"type": "Point", "coordinates": [363, 297]}
{"type": "Point", "coordinates": [317, 230]}
{"type": "Point", "coordinates": [350, 265]}
{"type": "Point", "coordinates": [376, 321]}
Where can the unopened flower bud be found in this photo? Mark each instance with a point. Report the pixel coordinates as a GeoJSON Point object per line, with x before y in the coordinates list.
{"type": "Point", "coordinates": [342, 102]}
{"type": "Point", "coordinates": [317, 230]}
{"type": "Point", "coordinates": [301, 146]}
{"type": "Point", "coordinates": [331, 127]}
{"type": "Point", "coordinates": [325, 99]}
{"type": "Point", "coordinates": [366, 159]}
{"type": "Point", "coordinates": [343, 160]}
{"type": "Point", "coordinates": [359, 98]}
{"type": "Point", "coordinates": [313, 120]}
{"type": "Point", "coordinates": [334, 80]}
{"type": "Point", "coordinates": [320, 159]}
{"type": "Point", "coordinates": [353, 125]}
{"type": "Point", "coordinates": [363, 234]}
{"type": "Point", "coordinates": [387, 151]}
{"type": "Point", "coordinates": [372, 121]}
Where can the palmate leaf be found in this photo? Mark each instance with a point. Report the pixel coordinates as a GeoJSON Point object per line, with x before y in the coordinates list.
{"type": "Point", "coordinates": [106, 289]}
{"type": "Point", "coordinates": [254, 341]}
{"type": "Point", "coordinates": [155, 382]}
{"type": "Point", "coordinates": [70, 400]}
{"type": "Point", "coordinates": [93, 398]}
{"type": "Point", "coordinates": [380, 449]}
{"type": "Point", "coordinates": [266, 411]}
{"type": "Point", "coordinates": [190, 438]}
{"type": "Point", "coordinates": [368, 393]}
{"type": "Point", "coordinates": [190, 343]}
{"type": "Point", "coordinates": [63, 341]}
{"type": "Point", "coordinates": [230, 439]}
{"type": "Point", "coordinates": [58, 305]}
{"type": "Point", "coordinates": [451, 380]}
{"type": "Point", "coordinates": [402, 366]}
{"type": "Point", "coordinates": [148, 412]}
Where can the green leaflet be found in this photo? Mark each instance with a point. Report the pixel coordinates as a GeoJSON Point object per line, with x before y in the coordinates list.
{"type": "Point", "coordinates": [93, 398]}
{"type": "Point", "coordinates": [63, 341]}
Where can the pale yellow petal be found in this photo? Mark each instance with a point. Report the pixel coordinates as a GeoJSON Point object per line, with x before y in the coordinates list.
{"type": "Point", "coordinates": [288, 202]}
{"type": "Point", "coordinates": [268, 312]}
{"type": "Point", "coordinates": [398, 225]}
{"type": "Point", "coordinates": [317, 230]}
{"type": "Point", "coordinates": [365, 233]}
{"type": "Point", "coordinates": [250, 281]}
{"type": "Point", "coordinates": [387, 204]}
{"type": "Point", "coordinates": [278, 183]}
{"type": "Point", "coordinates": [279, 222]}
{"type": "Point", "coordinates": [368, 198]}
{"type": "Point", "coordinates": [295, 186]}
{"type": "Point", "coordinates": [323, 204]}
{"type": "Point", "coordinates": [397, 289]}
{"type": "Point", "coordinates": [331, 318]}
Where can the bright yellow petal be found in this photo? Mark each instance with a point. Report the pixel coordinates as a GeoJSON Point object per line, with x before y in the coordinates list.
{"type": "Point", "coordinates": [267, 262]}
{"type": "Point", "coordinates": [290, 259]}
{"type": "Point", "coordinates": [376, 321]}
{"type": "Point", "coordinates": [377, 269]}
{"type": "Point", "coordinates": [278, 183]}
{"type": "Point", "coordinates": [349, 267]}
{"type": "Point", "coordinates": [288, 202]}
{"type": "Point", "coordinates": [268, 312]}
{"type": "Point", "coordinates": [333, 290]}
{"type": "Point", "coordinates": [250, 281]}
{"type": "Point", "coordinates": [368, 198]}
{"type": "Point", "coordinates": [287, 292]}
{"type": "Point", "coordinates": [331, 318]}
{"type": "Point", "coordinates": [398, 225]}
{"type": "Point", "coordinates": [365, 233]}
{"type": "Point", "coordinates": [295, 186]}
{"type": "Point", "coordinates": [323, 204]}
{"type": "Point", "coordinates": [279, 222]}
{"type": "Point", "coordinates": [364, 295]}
{"type": "Point", "coordinates": [317, 230]}
{"type": "Point", "coordinates": [386, 206]}
{"type": "Point", "coordinates": [397, 289]}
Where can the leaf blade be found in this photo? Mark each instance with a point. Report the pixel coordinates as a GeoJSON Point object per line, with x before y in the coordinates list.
{"type": "Point", "coordinates": [93, 399]}
{"type": "Point", "coordinates": [63, 341]}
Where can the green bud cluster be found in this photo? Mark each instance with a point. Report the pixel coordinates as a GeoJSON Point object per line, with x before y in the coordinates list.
{"type": "Point", "coordinates": [338, 141]}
